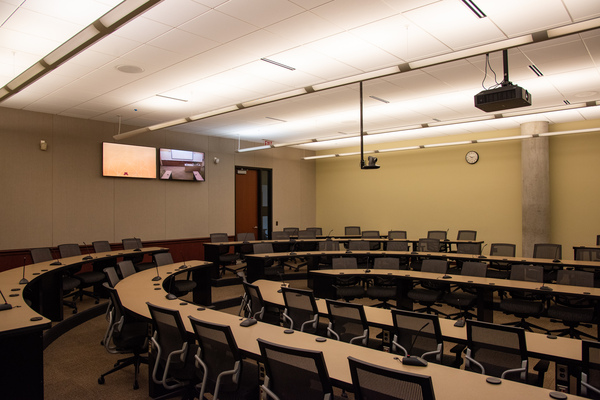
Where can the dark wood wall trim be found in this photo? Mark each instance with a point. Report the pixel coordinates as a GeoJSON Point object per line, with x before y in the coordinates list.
{"type": "Point", "coordinates": [181, 249]}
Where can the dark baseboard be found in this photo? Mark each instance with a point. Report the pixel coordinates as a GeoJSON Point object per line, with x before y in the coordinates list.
{"type": "Point", "coordinates": [71, 322]}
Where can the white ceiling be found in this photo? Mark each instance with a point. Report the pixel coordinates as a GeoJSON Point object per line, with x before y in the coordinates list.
{"type": "Point", "coordinates": [208, 52]}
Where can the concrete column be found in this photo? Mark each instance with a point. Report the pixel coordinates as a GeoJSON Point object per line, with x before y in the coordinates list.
{"type": "Point", "coordinates": [535, 167]}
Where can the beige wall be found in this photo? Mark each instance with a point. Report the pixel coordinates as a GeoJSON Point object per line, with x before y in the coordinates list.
{"type": "Point", "coordinates": [59, 195]}
{"type": "Point", "coordinates": [435, 189]}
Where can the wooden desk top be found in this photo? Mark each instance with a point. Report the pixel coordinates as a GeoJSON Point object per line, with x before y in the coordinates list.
{"type": "Point", "coordinates": [538, 344]}
{"type": "Point", "coordinates": [21, 316]}
{"type": "Point", "coordinates": [449, 383]}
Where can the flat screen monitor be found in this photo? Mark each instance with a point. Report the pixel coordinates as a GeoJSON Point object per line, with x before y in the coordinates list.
{"type": "Point", "coordinates": [128, 161]}
{"type": "Point", "coordinates": [181, 165]}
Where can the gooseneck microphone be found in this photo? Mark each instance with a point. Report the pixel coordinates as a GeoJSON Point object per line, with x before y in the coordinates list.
{"type": "Point", "coordinates": [328, 235]}
{"type": "Point", "coordinates": [415, 360]}
{"type": "Point", "coordinates": [4, 306]}
{"type": "Point", "coordinates": [183, 258]}
{"type": "Point", "coordinates": [157, 277]}
{"type": "Point", "coordinates": [89, 256]}
{"type": "Point", "coordinates": [481, 255]}
{"type": "Point", "coordinates": [23, 281]}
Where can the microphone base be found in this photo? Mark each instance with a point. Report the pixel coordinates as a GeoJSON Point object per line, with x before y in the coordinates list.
{"type": "Point", "coordinates": [23, 281]}
{"type": "Point", "coordinates": [156, 278]}
{"type": "Point", "coordinates": [5, 306]}
{"type": "Point", "coordinates": [171, 296]}
{"type": "Point", "coordinates": [547, 288]}
{"type": "Point", "coordinates": [414, 361]}
{"type": "Point", "coordinates": [88, 258]}
{"type": "Point", "coordinates": [137, 250]}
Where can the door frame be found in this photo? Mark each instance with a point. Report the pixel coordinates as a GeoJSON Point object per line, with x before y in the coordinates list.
{"type": "Point", "coordinates": [265, 177]}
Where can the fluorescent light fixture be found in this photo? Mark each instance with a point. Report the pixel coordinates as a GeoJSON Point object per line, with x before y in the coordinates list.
{"type": "Point", "coordinates": [171, 98]}
{"type": "Point", "coordinates": [3, 92]}
{"type": "Point", "coordinates": [212, 113]}
{"type": "Point", "coordinates": [319, 157]}
{"type": "Point", "coordinates": [168, 124]}
{"type": "Point", "coordinates": [278, 64]}
{"type": "Point", "coordinates": [502, 139]}
{"type": "Point", "coordinates": [73, 45]}
{"type": "Point", "coordinates": [275, 97]}
{"type": "Point", "coordinates": [569, 132]}
{"type": "Point", "coordinates": [29, 75]}
{"type": "Point", "coordinates": [574, 28]}
{"type": "Point", "coordinates": [253, 148]}
{"type": "Point", "coordinates": [473, 7]}
{"type": "Point", "coordinates": [535, 70]}
{"type": "Point", "coordinates": [125, 11]}
{"type": "Point", "coordinates": [399, 149]}
{"type": "Point", "coordinates": [428, 146]}
{"type": "Point", "coordinates": [357, 78]}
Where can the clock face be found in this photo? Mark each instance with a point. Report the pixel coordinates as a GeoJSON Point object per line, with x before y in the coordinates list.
{"type": "Point", "coordinates": [472, 157]}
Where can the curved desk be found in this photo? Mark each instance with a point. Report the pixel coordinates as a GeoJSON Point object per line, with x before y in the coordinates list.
{"type": "Point", "coordinates": [449, 383]}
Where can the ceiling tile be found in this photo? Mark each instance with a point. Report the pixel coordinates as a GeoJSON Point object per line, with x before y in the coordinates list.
{"type": "Point", "coordinates": [260, 13]}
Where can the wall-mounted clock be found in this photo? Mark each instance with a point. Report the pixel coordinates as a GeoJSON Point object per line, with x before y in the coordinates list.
{"type": "Point", "coordinates": [472, 157]}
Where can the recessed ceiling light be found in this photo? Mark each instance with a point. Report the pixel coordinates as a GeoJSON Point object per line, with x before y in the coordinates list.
{"type": "Point", "coordinates": [130, 69]}
{"type": "Point", "coordinates": [535, 70]}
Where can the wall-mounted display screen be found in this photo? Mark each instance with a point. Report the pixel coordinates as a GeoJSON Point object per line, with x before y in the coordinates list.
{"type": "Point", "coordinates": [128, 161]}
{"type": "Point", "coordinates": [181, 165]}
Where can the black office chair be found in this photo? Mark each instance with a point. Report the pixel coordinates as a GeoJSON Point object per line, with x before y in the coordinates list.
{"type": "Point", "coordinates": [430, 291]}
{"type": "Point", "coordinates": [395, 245]}
{"type": "Point", "coordinates": [442, 236]}
{"type": "Point", "coordinates": [222, 370]}
{"type": "Point", "coordinates": [256, 308]}
{"type": "Point", "coordinates": [397, 235]}
{"type": "Point", "coordinates": [246, 247]}
{"type": "Point", "coordinates": [347, 287]}
{"type": "Point", "coordinates": [352, 230]}
{"type": "Point", "coordinates": [126, 268]}
{"type": "Point", "coordinates": [466, 235]}
{"type": "Point", "coordinates": [227, 259]}
{"type": "Point", "coordinates": [348, 323]}
{"type": "Point", "coordinates": [424, 245]}
{"type": "Point", "coordinates": [136, 259]}
{"type": "Point", "coordinates": [573, 310]}
{"type": "Point", "coordinates": [500, 269]}
{"type": "Point", "coordinates": [360, 246]}
{"type": "Point", "coordinates": [124, 336]}
{"type": "Point", "coordinates": [551, 251]}
{"type": "Point", "coordinates": [317, 230]}
{"type": "Point", "coordinates": [86, 278]}
{"type": "Point", "coordinates": [501, 351]}
{"type": "Point", "coordinates": [590, 371]}
{"type": "Point", "coordinates": [372, 381]}
{"type": "Point", "coordinates": [69, 282]}
{"type": "Point", "coordinates": [325, 261]}
{"type": "Point", "coordinates": [294, 374]}
{"type": "Point", "coordinates": [271, 270]}
{"type": "Point", "coordinates": [103, 246]}
{"type": "Point", "coordinates": [464, 297]}
{"type": "Point", "coordinates": [372, 235]}
{"type": "Point", "coordinates": [112, 277]}
{"type": "Point", "coordinates": [524, 304]}
{"type": "Point", "coordinates": [173, 356]}
{"type": "Point", "coordinates": [384, 288]}
{"type": "Point", "coordinates": [419, 334]}
{"type": "Point", "coordinates": [306, 242]}
{"type": "Point", "coordinates": [301, 312]}
{"type": "Point", "coordinates": [178, 287]}
{"type": "Point", "coordinates": [291, 231]}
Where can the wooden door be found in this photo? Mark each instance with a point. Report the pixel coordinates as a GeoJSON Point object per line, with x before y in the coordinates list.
{"type": "Point", "coordinates": [246, 202]}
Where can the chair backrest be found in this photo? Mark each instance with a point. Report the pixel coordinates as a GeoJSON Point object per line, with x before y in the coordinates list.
{"type": "Point", "coordinates": [370, 234]}
{"type": "Point", "coordinates": [301, 312]}
{"type": "Point", "coordinates": [432, 265]}
{"type": "Point", "coordinates": [280, 235]}
{"type": "Point", "coordinates": [590, 371]}
{"type": "Point", "coordinates": [352, 230]}
{"type": "Point", "coordinates": [394, 245]}
{"type": "Point", "coordinates": [474, 268]}
{"type": "Point", "coordinates": [126, 267]}
{"type": "Point", "coordinates": [307, 234]}
{"type": "Point", "coordinates": [219, 356]}
{"type": "Point", "coordinates": [503, 249]}
{"type": "Point", "coordinates": [295, 373]}
{"type": "Point", "coordinates": [329, 245]}
{"type": "Point", "coordinates": [101, 246]}
{"type": "Point", "coordinates": [396, 234]}
{"type": "Point", "coordinates": [256, 303]}
{"type": "Point", "coordinates": [344, 263]}
{"type": "Point", "coordinates": [162, 259]}
{"type": "Point", "coordinates": [468, 248]}
{"type": "Point", "coordinates": [170, 337]}
{"type": "Point", "coordinates": [69, 250]}
{"type": "Point", "coordinates": [122, 335]}
{"type": "Point", "coordinates": [372, 381]}
{"type": "Point", "coordinates": [417, 334]}
{"type": "Point", "coordinates": [219, 237]}
{"type": "Point", "coordinates": [466, 235]}
{"type": "Point", "coordinates": [575, 277]}
{"type": "Point", "coordinates": [41, 254]}
{"type": "Point", "coordinates": [529, 273]}
{"type": "Point", "coordinates": [428, 244]}
{"type": "Point", "coordinates": [359, 245]}
{"type": "Point", "coordinates": [348, 322]}
{"type": "Point", "coordinates": [132, 243]}
{"type": "Point", "coordinates": [317, 230]}
{"type": "Point", "coordinates": [111, 276]}
{"type": "Point", "coordinates": [441, 235]}
{"type": "Point", "coordinates": [547, 250]}
{"type": "Point", "coordinates": [496, 349]}
{"type": "Point", "coordinates": [386, 263]}
{"type": "Point", "coordinates": [291, 231]}
{"type": "Point", "coordinates": [261, 248]}
{"type": "Point", "coordinates": [245, 237]}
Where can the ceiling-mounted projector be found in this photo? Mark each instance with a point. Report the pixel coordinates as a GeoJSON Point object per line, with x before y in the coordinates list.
{"type": "Point", "coordinates": [502, 98]}
{"type": "Point", "coordinates": [505, 97]}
